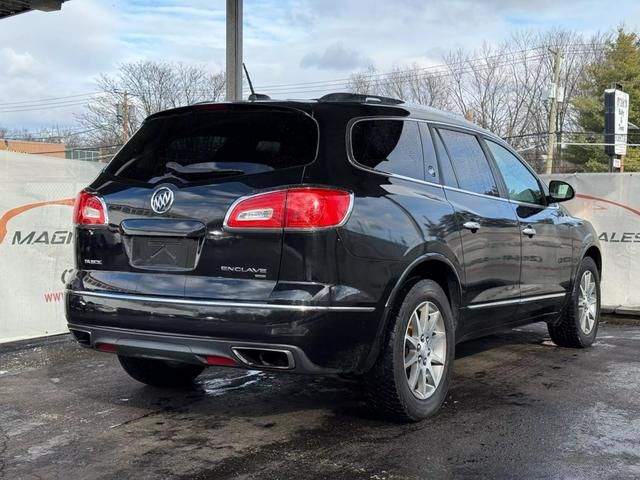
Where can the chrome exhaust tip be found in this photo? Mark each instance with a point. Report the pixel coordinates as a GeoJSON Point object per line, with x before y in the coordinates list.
{"type": "Point", "coordinates": [265, 357]}
{"type": "Point", "coordinates": [82, 337]}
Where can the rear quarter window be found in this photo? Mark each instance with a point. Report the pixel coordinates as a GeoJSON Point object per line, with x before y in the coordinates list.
{"type": "Point", "coordinates": [199, 145]}
{"type": "Point", "coordinates": [389, 146]}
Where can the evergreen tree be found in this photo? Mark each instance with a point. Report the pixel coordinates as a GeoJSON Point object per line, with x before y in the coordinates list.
{"type": "Point", "coordinates": [621, 65]}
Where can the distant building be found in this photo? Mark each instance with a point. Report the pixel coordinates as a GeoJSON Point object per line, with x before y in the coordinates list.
{"type": "Point", "coordinates": [39, 148]}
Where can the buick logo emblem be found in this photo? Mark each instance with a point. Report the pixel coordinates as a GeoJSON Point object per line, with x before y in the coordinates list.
{"type": "Point", "coordinates": [161, 200]}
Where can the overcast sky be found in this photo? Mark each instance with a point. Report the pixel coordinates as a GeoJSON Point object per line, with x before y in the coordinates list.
{"type": "Point", "coordinates": [45, 55]}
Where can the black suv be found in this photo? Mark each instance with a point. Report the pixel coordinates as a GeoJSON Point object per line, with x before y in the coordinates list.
{"type": "Point", "coordinates": [346, 235]}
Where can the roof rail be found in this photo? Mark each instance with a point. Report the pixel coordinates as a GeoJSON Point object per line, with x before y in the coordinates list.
{"type": "Point", "coordinates": [359, 98]}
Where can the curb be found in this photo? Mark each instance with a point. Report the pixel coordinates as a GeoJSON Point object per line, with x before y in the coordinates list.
{"type": "Point", "coordinates": [18, 345]}
{"type": "Point", "coordinates": [625, 320]}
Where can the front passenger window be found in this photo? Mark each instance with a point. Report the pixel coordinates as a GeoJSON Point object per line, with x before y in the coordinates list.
{"type": "Point", "coordinates": [521, 184]}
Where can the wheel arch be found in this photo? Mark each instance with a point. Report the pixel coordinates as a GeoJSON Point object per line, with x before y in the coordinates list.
{"type": "Point", "coordinates": [594, 252]}
{"type": "Point", "coordinates": [590, 250]}
{"type": "Point", "coordinates": [431, 266]}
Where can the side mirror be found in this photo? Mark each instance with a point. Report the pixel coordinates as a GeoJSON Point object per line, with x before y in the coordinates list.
{"type": "Point", "coordinates": [560, 191]}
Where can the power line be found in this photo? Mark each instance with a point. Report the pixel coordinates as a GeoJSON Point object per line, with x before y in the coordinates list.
{"type": "Point", "coordinates": [46, 107]}
{"type": "Point", "coordinates": [570, 48]}
{"type": "Point", "coordinates": [47, 104]}
{"type": "Point", "coordinates": [565, 133]}
{"type": "Point", "coordinates": [471, 65]}
{"type": "Point", "coordinates": [443, 65]}
{"type": "Point", "coordinates": [468, 61]}
{"type": "Point", "coordinates": [47, 100]}
{"type": "Point", "coordinates": [470, 69]}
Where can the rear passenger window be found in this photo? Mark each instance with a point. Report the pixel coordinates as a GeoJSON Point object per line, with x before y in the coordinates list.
{"type": "Point", "coordinates": [469, 162]}
{"type": "Point", "coordinates": [390, 146]}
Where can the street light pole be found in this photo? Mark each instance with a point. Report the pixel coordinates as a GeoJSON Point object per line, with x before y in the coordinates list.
{"type": "Point", "coordinates": [553, 111]}
{"type": "Point", "coordinates": [234, 50]}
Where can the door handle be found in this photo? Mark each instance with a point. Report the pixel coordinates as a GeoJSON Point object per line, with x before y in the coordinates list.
{"type": "Point", "coordinates": [473, 226]}
{"type": "Point", "coordinates": [529, 231]}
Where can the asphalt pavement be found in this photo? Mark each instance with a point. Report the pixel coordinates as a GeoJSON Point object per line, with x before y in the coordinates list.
{"type": "Point", "coordinates": [519, 407]}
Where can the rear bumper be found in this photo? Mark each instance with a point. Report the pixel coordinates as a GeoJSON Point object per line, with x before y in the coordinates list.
{"type": "Point", "coordinates": [317, 338]}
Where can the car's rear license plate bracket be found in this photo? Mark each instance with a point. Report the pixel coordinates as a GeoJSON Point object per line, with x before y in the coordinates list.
{"type": "Point", "coordinates": [163, 253]}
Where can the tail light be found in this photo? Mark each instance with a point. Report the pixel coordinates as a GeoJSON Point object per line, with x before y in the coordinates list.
{"type": "Point", "coordinates": [295, 209]}
{"type": "Point", "coordinates": [89, 209]}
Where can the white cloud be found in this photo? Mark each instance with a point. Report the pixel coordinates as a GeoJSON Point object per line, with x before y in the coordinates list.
{"type": "Point", "coordinates": [335, 57]}
{"type": "Point", "coordinates": [286, 41]}
{"type": "Point", "coordinates": [52, 55]}
{"type": "Point", "coordinates": [15, 63]}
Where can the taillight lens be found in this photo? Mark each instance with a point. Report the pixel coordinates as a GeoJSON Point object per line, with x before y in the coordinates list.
{"type": "Point", "coordinates": [260, 211]}
{"type": "Point", "coordinates": [89, 210]}
{"type": "Point", "coordinates": [295, 208]}
{"type": "Point", "coordinates": [316, 207]}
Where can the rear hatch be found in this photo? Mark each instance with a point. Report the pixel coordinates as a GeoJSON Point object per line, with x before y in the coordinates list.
{"type": "Point", "coordinates": [167, 193]}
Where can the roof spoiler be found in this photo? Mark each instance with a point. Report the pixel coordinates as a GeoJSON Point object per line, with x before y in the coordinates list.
{"type": "Point", "coordinates": [359, 98]}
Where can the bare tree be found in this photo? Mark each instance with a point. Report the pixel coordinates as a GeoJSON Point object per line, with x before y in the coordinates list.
{"type": "Point", "coordinates": [503, 88]}
{"type": "Point", "coordinates": [479, 85]}
{"type": "Point", "coordinates": [365, 82]}
{"type": "Point", "coordinates": [150, 87]}
{"type": "Point", "coordinates": [412, 83]}
{"type": "Point", "coordinates": [194, 84]}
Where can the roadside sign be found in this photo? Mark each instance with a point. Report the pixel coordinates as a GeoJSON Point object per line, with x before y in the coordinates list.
{"type": "Point", "coordinates": [616, 121]}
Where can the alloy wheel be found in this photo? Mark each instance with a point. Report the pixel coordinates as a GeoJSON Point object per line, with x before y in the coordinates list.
{"type": "Point", "coordinates": [587, 302]}
{"type": "Point", "coordinates": [425, 350]}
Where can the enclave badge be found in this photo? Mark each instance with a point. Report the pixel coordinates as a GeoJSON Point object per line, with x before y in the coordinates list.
{"type": "Point", "coordinates": [161, 200]}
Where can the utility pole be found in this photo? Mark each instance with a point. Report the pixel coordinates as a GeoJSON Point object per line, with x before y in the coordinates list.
{"type": "Point", "coordinates": [125, 118]}
{"type": "Point", "coordinates": [553, 111]}
{"type": "Point", "coordinates": [470, 115]}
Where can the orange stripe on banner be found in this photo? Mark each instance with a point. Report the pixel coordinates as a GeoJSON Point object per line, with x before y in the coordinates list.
{"type": "Point", "coordinates": [591, 197]}
{"type": "Point", "coordinates": [14, 212]}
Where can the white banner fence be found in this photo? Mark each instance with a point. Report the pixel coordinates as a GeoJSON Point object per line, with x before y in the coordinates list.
{"type": "Point", "coordinates": [611, 202]}
{"type": "Point", "coordinates": [36, 236]}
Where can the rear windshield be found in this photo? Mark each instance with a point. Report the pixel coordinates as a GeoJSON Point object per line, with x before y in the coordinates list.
{"type": "Point", "coordinates": [204, 145]}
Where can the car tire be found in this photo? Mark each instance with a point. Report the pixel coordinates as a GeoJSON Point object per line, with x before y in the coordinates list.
{"type": "Point", "coordinates": [160, 373]}
{"type": "Point", "coordinates": [393, 391]}
{"type": "Point", "coordinates": [573, 329]}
